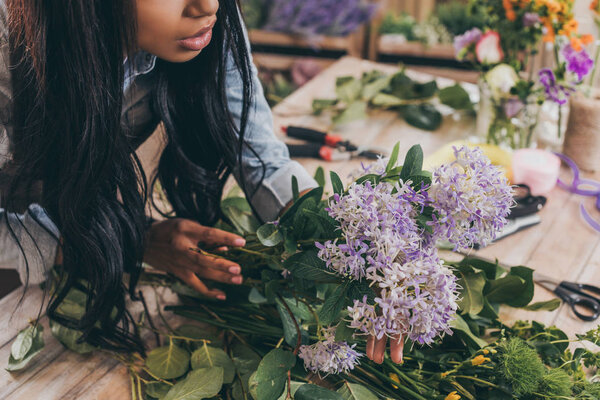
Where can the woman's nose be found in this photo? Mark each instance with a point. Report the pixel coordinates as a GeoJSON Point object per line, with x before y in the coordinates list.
{"type": "Point", "coordinates": [201, 8]}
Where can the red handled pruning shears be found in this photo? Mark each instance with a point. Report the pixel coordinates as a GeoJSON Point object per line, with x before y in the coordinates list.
{"type": "Point", "coordinates": [325, 146]}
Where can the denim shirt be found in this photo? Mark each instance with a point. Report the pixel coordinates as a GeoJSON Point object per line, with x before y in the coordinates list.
{"type": "Point", "coordinates": [271, 196]}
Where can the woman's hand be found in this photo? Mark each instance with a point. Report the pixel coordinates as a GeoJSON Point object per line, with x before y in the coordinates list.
{"type": "Point", "coordinates": [168, 249]}
{"type": "Point", "coordinates": [376, 348]}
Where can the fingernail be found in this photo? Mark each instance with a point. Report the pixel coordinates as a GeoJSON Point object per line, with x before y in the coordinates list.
{"type": "Point", "coordinates": [237, 280]}
{"type": "Point", "coordinates": [239, 242]}
{"type": "Point", "coordinates": [235, 270]}
{"type": "Point", "coordinates": [221, 296]}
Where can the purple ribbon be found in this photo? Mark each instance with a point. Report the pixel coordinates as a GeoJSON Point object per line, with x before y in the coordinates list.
{"type": "Point", "coordinates": [576, 187]}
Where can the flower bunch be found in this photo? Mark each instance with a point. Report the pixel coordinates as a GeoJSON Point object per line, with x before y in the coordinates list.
{"type": "Point", "coordinates": [390, 222]}
{"type": "Point", "coordinates": [328, 355]}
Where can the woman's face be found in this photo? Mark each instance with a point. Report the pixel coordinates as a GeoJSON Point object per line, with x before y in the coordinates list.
{"type": "Point", "coordinates": [175, 30]}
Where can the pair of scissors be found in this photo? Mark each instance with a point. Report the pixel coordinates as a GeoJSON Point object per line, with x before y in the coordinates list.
{"type": "Point", "coordinates": [580, 297]}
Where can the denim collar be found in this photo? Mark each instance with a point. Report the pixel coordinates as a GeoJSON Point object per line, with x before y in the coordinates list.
{"type": "Point", "coordinates": [142, 63]}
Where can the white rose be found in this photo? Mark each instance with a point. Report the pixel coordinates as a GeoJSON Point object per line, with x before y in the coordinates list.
{"type": "Point", "coordinates": [501, 79]}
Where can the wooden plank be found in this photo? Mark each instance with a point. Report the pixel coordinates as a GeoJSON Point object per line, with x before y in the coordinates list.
{"type": "Point", "coordinates": [280, 62]}
{"type": "Point", "coordinates": [386, 45]}
{"type": "Point", "coordinates": [270, 38]}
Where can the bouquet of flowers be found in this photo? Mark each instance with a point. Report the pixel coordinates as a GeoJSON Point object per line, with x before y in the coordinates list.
{"type": "Point", "coordinates": [510, 100]}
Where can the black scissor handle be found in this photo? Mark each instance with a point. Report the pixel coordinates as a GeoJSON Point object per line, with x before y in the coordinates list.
{"type": "Point", "coordinates": [581, 287]}
{"type": "Point", "coordinates": [577, 300]}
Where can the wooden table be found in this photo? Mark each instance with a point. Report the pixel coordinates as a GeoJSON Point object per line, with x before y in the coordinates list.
{"type": "Point", "coordinates": [561, 246]}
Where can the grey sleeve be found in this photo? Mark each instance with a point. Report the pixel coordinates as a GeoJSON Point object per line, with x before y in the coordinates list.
{"type": "Point", "coordinates": [23, 226]}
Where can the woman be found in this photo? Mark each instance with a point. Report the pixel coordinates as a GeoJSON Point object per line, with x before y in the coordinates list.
{"type": "Point", "coordinates": [73, 114]}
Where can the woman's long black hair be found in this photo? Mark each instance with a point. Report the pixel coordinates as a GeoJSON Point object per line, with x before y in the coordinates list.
{"type": "Point", "coordinates": [67, 79]}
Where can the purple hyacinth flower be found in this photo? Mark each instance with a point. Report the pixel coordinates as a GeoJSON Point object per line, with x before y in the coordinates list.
{"type": "Point", "coordinates": [513, 107]}
{"type": "Point", "coordinates": [554, 90]}
{"type": "Point", "coordinates": [465, 40]}
{"type": "Point", "coordinates": [531, 19]}
{"type": "Point", "coordinates": [578, 62]}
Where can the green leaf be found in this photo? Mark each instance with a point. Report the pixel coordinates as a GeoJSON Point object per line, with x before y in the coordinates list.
{"type": "Point", "coordinates": [525, 296]}
{"type": "Point", "coordinates": [462, 328]}
{"type": "Point", "coordinates": [295, 190]}
{"type": "Point", "coordinates": [333, 305]}
{"type": "Point", "coordinates": [269, 235]}
{"type": "Point", "coordinates": [244, 359]}
{"type": "Point", "coordinates": [268, 381]}
{"type": "Point", "coordinates": [386, 100]}
{"type": "Point", "coordinates": [374, 88]}
{"type": "Point", "coordinates": [240, 389]}
{"type": "Point", "coordinates": [359, 289]}
{"type": "Point", "coordinates": [308, 265]}
{"type": "Point", "coordinates": [289, 328]}
{"type": "Point", "coordinates": [413, 162]}
{"type": "Point", "coordinates": [208, 357]}
{"type": "Point", "coordinates": [320, 176]}
{"type": "Point", "coordinates": [491, 270]}
{"type": "Point", "coordinates": [320, 105]}
{"type": "Point", "coordinates": [343, 333]}
{"type": "Point", "coordinates": [354, 391]}
{"type": "Point", "coordinates": [472, 284]}
{"type": "Point", "coordinates": [294, 387]}
{"type": "Point", "coordinates": [198, 384]}
{"type": "Point", "coordinates": [168, 362]}
{"type": "Point", "coordinates": [347, 88]}
{"type": "Point", "coordinates": [37, 345]}
{"type": "Point", "coordinates": [405, 88]}
{"type": "Point", "coordinates": [313, 392]}
{"type": "Point", "coordinates": [68, 337]}
{"type": "Point", "coordinates": [23, 342]}
{"type": "Point", "coordinates": [157, 390]}
{"type": "Point", "coordinates": [336, 183]}
{"type": "Point", "coordinates": [354, 111]}
{"type": "Point", "coordinates": [423, 116]}
{"type": "Point", "coordinates": [238, 212]}
{"type": "Point", "coordinates": [288, 216]}
{"type": "Point", "coordinates": [393, 158]}
{"type": "Point", "coordinates": [255, 297]}
{"type": "Point", "coordinates": [549, 305]}
{"type": "Point", "coordinates": [504, 289]}
{"type": "Point", "coordinates": [456, 97]}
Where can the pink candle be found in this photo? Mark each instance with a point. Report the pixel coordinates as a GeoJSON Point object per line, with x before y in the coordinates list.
{"type": "Point", "coordinates": [536, 168]}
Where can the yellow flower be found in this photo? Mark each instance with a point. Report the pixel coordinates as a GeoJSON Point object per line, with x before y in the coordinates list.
{"type": "Point", "coordinates": [445, 374]}
{"type": "Point", "coordinates": [453, 396]}
{"type": "Point", "coordinates": [478, 360]}
{"type": "Point", "coordinates": [395, 378]}
{"type": "Point", "coordinates": [486, 351]}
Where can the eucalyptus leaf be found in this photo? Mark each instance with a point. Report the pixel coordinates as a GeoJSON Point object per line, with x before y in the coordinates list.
{"type": "Point", "coordinates": [354, 391]}
{"type": "Point", "coordinates": [36, 347]}
{"type": "Point", "coordinates": [238, 212]}
{"type": "Point", "coordinates": [472, 283]}
{"type": "Point", "coordinates": [320, 105]}
{"type": "Point", "coordinates": [293, 388]}
{"type": "Point", "coordinates": [549, 305]}
{"type": "Point", "coordinates": [23, 342]}
{"type": "Point", "coordinates": [198, 384]}
{"type": "Point", "coordinates": [290, 332]}
{"type": "Point", "coordinates": [309, 391]}
{"type": "Point", "coordinates": [68, 337]}
{"type": "Point", "coordinates": [423, 116]}
{"type": "Point", "coordinates": [347, 88]}
{"type": "Point", "coordinates": [456, 97]}
{"type": "Point", "coordinates": [157, 390]}
{"type": "Point", "coordinates": [269, 235]}
{"type": "Point", "coordinates": [268, 382]}
{"type": "Point", "coordinates": [355, 111]}
{"type": "Point", "coordinates": [168, 362]}
{"type": "Point", "coordinates": [244, 359]}
{"type": "Point", "coordinates": [255, 297]}
{"type": "Point", "coordinates": [387, 100]}
{"type": "Point", "coordinates": [208, 357]}
{"type": "Point", "coordinates": [373, 88]}
{"type": "Point", "coordinates": [240, 389]}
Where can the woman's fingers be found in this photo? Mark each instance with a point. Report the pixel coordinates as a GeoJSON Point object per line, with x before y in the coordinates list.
{"type": "Point", "coordinates": [370, 346]}
{"type": "Point", "coordinates": [191, 279]}
{"type": "Point", "coordinates": [379, 349]}
{"type": "Point", "coordinates": [397, 348]}
{"type": "Point", "coordinates": [200, 261]}
{"type": "Point", "coordinates": [219, 276]}
{"type": "Point", "coordinates": [210, 236]}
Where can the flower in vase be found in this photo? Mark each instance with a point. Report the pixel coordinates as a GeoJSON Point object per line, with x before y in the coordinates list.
{"type": "Point", "coordinates": [501, 79]}
{"type": "Point", "coordinates": [578, 62]}
{"type": "Point", "coordinates": [531, 19]}
{"type": "Point", "coordinates": [462, 42]}
{"type": "Point", "coordinates": [512, 107]}
{"type": "Point", "coordinates": [554, 90]}
{"type": "Point", "coordinates": [329, 356]}
{"type": "Point", "coordinates": [488, 50]}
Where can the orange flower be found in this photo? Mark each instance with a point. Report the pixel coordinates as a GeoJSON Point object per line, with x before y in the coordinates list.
{"type": "Point", "coordinates": [570, 28]}
{"type": "Point", "coordinates": [553, 6]}
{"type": "Point", "coordinates": [594, 6]}
{"type": "Point", "coordinates": [549, 36]}
{"type": "Point", "coordinates": [576, 43]}
{"type": "Point", "coordinates": [508, 8]}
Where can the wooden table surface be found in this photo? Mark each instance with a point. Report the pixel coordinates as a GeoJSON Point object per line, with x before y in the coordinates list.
{"type": "Point", "coordinates": [562, 246]}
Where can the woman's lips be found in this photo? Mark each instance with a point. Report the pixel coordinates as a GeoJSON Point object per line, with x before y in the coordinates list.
{"type": "Point", "coordinates": [198, 41]}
